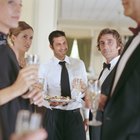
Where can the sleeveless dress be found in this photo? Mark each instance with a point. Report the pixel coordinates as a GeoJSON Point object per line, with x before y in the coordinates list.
{"type": "Point", "coordinates": [9, 69]}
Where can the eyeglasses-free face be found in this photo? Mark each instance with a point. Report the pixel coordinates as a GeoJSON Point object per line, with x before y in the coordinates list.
{"type": "Point", "coordinates": [108, 46]}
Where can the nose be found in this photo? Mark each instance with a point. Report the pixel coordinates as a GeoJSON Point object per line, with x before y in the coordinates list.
{"type": "Point", "coordinates": [18, 8]}
{"type": "Point", "coordinates": [29, 42]}
{"type": "Point", "coordinates": [63, 46]}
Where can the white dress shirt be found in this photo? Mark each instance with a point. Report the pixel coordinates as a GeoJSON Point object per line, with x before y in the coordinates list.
{"type": "Point", "coordinates": [106, 71]}
{"type": "Point", "coordinates": [52, 72]}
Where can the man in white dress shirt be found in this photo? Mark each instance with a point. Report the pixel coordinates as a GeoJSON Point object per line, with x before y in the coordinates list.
{"type": "Point", "coordinates": [109, 43]}
{"type": "Point", "coordinates": [121, 120]}
{"type": "Point", "coordinates": [64, 121]}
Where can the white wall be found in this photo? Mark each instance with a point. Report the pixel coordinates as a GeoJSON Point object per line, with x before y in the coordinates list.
{"type": "Point", "coordinates": [41, 14]}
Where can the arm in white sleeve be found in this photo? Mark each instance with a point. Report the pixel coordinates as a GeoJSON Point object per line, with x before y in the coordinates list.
{"type": "Point", "coordinates": [85, 112]}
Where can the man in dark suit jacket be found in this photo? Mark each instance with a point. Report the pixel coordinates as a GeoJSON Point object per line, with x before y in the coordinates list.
{"type": "Point", "coordinates": [121, 120]}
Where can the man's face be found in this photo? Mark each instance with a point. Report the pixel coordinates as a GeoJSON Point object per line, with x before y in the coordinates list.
{"type": "Point", "coordinates": [108, 46]}
{"type": "Point", "coordinates": [60, 47]}
{"type": "Point", "coordinates": [132, 9]}
{"type": "Point", "coordinates": [10, 13]}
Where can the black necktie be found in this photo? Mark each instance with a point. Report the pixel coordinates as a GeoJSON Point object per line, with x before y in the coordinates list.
{"type": "Point", "coordinates": [65, 85]}
{"type": "Point", "coordinates": [106, 66]}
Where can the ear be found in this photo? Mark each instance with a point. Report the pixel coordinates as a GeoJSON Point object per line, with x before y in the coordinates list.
{"type": "Point", "coordinates": [118, 48]}
{"type": "Point", "coordinates": [51, 47]}
{"type": "Point", "coordinates": [13, 38]}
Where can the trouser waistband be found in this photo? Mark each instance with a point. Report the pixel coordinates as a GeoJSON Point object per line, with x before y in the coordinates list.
{"type": "Point", "coordinates": [60, 110]}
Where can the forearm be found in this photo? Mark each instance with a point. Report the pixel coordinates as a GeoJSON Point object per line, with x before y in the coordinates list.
{"type": "Point", "coordinates": [8, 94]}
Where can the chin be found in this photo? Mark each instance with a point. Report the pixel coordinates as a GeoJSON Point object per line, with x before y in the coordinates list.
{"type": "Point", "coordinates": [14, 24]}
{"type": "Point", "coordinates": [128, 12]}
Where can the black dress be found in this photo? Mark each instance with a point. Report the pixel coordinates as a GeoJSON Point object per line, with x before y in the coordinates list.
{"type": "Point", "coordinates": [9, 69]}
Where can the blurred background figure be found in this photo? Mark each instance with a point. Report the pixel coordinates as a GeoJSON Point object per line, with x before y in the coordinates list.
{"type": "Point", "coordinates": [13, 81]}
{"type": "Point", "coordinates": [121, 117]}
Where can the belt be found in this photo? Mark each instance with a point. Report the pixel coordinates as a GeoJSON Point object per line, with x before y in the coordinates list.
{"type": "Point", "coordinates": [60, 110]}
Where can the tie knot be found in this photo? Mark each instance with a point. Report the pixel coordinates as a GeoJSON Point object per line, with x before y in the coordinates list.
{"type": "Point", "coordinates": [62, 63]}
{"type": "Point", "coordinates": [106, 66]}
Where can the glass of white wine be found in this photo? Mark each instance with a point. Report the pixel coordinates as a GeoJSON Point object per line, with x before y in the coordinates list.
{"type": "Point", "coordinates": [94, 91]}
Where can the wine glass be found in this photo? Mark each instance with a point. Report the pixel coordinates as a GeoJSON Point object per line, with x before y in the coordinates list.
{"type": "Point", "coordinates": [77, 84]}
{"type": "Point", "coordinates": [76, 88]}
{"type": "Point", "coordinates": [27, 121]}
{"type": "Point", "coordinates": [94, 90]}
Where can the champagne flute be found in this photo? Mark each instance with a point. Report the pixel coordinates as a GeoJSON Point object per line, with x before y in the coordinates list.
{"type": "Point", "coordinates": [94, 90]}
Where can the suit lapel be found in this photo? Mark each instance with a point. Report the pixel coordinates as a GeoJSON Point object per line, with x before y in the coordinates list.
{"type": "Point", "coordinates": [130, 65]}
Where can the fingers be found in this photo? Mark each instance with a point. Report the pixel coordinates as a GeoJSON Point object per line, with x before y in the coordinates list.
{"type": "Point", "coordinates": [86, 124]}
{"type": "Point", "coordinates": [56, 103]}
{"type": "Point", "coordinates": [35, 95]}
{"type": "Point", "coordinates": [102, 102]}
{"type": "Point", "coordinates": [25, 79]}
{"type": "Point", "coordinates": [39, 134]}
{"type": "Point", "coordinates": [87, 99]}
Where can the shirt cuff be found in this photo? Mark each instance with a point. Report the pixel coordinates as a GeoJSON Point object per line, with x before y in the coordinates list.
{"type": "Point", "coordinates": [46, 104]}
{"type": "Point", "coordinates": [85, 113]}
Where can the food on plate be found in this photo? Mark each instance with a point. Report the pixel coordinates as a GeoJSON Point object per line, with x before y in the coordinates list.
{"type": "Point", "coordinates": [58, 99]}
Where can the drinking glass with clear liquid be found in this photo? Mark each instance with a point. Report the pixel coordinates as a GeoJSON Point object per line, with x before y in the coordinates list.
{"type": "Point", "coordinates": [94, 91]}
{"type": "Point", "coordinates": [33, 59]}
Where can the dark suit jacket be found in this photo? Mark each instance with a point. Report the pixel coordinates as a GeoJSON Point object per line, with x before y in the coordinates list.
{"type": "Point", "coordinates": [121, 120]}
{"type": "Point", "coordinates": [9, 69]}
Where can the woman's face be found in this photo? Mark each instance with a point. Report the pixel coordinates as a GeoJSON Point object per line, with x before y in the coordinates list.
{"type": "Point", "coordinates": [10, 13]}
{"type": "Point", "coordinates": [22, 42]}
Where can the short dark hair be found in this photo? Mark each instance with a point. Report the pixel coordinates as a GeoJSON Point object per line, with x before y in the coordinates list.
{"type": "Point", "coordinates": [115, 34]}
{"type": "Point", "coordinates": [54, 34]}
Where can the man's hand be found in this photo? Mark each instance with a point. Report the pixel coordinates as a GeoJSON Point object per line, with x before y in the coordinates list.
{"type": "Point", "coordinates": [102, 102]}
{"type": "Point", "coordinates": [86, 124]}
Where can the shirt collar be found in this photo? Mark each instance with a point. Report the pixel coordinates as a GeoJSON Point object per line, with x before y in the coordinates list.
{"type": "Point", "coordinates": [56, 60]}
{"type": "Point", "coordinates": [114, 61]}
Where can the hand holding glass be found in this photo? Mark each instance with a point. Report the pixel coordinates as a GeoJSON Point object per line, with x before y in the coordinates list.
{"type": "Point", "coordinates": [33, 59]}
